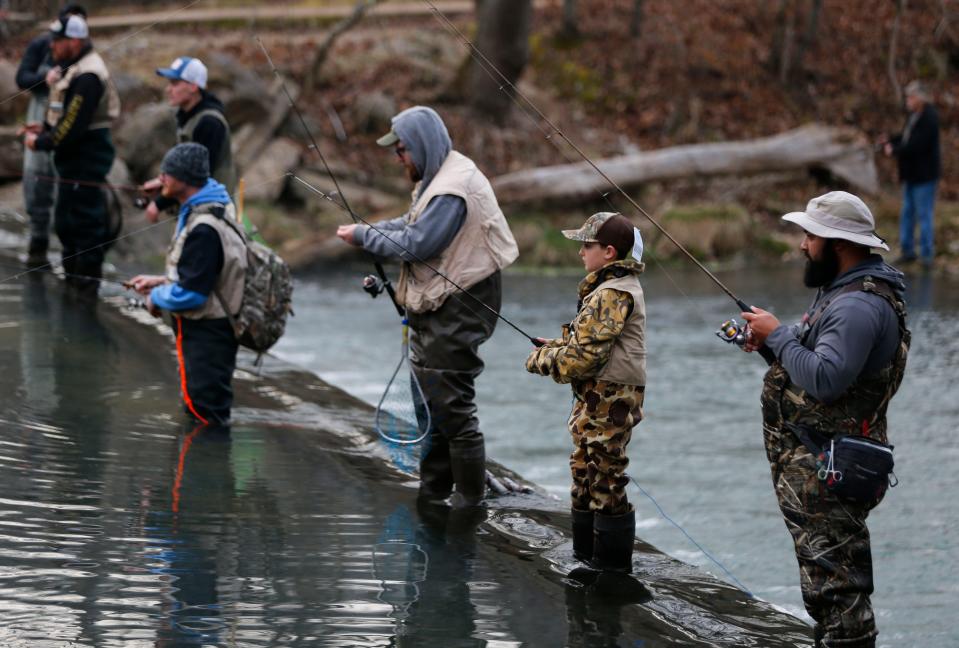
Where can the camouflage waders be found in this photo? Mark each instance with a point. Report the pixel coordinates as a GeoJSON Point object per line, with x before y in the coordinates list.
{"type": "Point", "coordinates": [830, 535]}
{"type": "Point", "coordinates": [601, 424]}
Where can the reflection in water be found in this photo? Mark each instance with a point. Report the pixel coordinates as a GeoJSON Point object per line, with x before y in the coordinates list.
{"type": "Point", "coordinates": [119, 528]}
{"type": "Point", "coordinates": [594, 608]}
{"type": "Point", "coordinates": [449, 538]}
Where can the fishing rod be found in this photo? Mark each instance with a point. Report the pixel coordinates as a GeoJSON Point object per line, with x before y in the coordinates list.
{"type": "Point", "coordinates": [507, 86]}
{"type": "Point", "coordinates": [399, 246]}
{"type": "Point", "coordinates": [105, 49]}
{"type": "Point", "coordinates": [164, 221]}
{"type": "Point", "coordinates": [345, 206]}
{"type": "Point", "coordinates": [61, 270]}
{"type": "Point", "coordinates": [74, 181]}
{"type": "Point", "coordinates": [384, 281]}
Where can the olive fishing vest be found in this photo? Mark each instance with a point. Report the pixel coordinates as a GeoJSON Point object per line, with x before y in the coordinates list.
{"type": "Point", "coordinates": [231, 280]}
{"type": "Point", "coordinates": [109, 107]}
{"type": "Point", "coordinates": [483, 245]}
{"type": "Point", "coordinates": [224, 172]}
{"type": "Point", "coordinates": [861, 410]}
{"type": "Point", "coordinates": [627, 358]}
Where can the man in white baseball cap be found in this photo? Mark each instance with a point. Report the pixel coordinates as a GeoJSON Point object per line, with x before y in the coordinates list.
{"type": "Point", "coordinates": [833, 377]}
{"type": "Point", "coordinates": [200, 118]}
{"type": "Point", "coordinates": [82, 108]}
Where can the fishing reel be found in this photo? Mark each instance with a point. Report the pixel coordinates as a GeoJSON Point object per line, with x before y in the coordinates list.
{"type": "Point", "coordinates": [141, 202]}
{"type": "Point", "coordinates": [731, 332]}
{"type": "Point", "coordinates": [373, 285]}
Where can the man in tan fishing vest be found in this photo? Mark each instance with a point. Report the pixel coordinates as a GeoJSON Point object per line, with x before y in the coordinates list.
{"type": "Point", "coordinates": [200, 118]}
{"type": "Point", "coordinates": [602, 355]}
{"type": "Point", "coordinates": [205, 274]}
{"type": "Point", "coordinates": [828, 389]}
{"type": "Point", "coordinates": [454, 225]}
{"type": "Point", "coordinates": [39, 172]}
{"type": "Point", "coordinates": [83, 105]}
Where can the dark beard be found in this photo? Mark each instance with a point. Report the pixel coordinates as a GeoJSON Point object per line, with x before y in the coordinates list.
{"type": "Point", "coordinates": [821, 273]}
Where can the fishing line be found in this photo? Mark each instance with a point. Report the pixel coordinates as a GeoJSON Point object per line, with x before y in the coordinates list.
{"type": "Point", "coordinates": [49, 266]}
{"type": "Point", "coordinates": [69, 181]}
{"type": "Point", "coordinates": [500, 78]}
{"type": "Point", "coordinates": [402, 415]}
{"type": "Point", "coordinates": [60, 270]}
{"type": "Point", "coordinates": [400, 247]}
{"type": "Point", "coordinates": [344, 205]}
{"type": "Point", "coordinates": [691, 539]}
{"type": "Point", "coordinates": [107, 48]}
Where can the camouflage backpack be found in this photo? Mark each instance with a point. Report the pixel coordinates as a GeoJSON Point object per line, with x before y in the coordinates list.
{"type": "Point", "coordinates": [267, 297]}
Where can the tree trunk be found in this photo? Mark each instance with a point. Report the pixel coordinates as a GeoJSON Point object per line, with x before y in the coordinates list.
{"type": "Point", "coordinates": [810, 33]}
{"type": "Point", "coordinates": [779, 36]}
{"type": "Point", "coordinates": [570, 28]}
{"type": "Point", "coordinates": [893, 43]}
{"type": "Point", "coordinates": [843, 152]}
{"type": "Point", "coordinates": [636, 23]}
{"type": "Point", "coordinates": [503, 42]}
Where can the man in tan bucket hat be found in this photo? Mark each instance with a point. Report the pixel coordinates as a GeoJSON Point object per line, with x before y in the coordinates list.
{"type": "Point", "coordinates": [833, 377]}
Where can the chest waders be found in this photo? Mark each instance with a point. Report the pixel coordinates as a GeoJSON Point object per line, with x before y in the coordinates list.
{"type": "Point", "coordinates": [830, 535]}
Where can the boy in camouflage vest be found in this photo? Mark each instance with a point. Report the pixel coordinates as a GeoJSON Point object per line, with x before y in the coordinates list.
{"type": "Point", "coordinates": [602, 355]}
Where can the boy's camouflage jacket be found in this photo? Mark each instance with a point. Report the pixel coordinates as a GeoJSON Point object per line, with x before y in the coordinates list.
{"type": "Point", "coordinates": [587, 341]}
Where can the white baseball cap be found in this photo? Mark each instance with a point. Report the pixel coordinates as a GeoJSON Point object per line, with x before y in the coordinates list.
{"type": "Point", "coordinates": [186, 69]}
{"type": "Point", "coordinates": [72, 26]}
{"type": "Point", "coordinates": [839, 215]}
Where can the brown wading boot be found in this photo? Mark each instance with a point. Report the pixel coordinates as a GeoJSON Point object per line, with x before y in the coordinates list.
{"type": "Point", "coordinates": [582, 535]}
{"type": "Point", "coordinates": [613, 542]}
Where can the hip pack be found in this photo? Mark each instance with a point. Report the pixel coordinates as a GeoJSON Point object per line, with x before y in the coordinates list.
{"type": "Point", "coordinates": [853, 468]}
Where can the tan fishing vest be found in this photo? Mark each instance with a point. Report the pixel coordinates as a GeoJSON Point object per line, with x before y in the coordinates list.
{"type": "Point", "coordinates": [225, 172]}
{"type": "Point", "coordinates": [231, 280]}
{"type": "Point", "coordinates": [106, 112]}
{"type": "Point", "coordinates": [483, 245]}
{"type": "Point", "coordinates": [627, 359]}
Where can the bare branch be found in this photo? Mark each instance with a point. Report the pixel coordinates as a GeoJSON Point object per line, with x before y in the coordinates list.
{"type": "Point", "coordinates": [337, 30]}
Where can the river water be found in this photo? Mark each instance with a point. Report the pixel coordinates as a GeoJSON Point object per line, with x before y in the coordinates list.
{"type": "Point", "coordinates": [122, 526]}
{"type": "Point", "coordinates": [699, 452]}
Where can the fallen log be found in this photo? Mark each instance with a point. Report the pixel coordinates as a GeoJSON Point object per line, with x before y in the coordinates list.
{"type": "Point", "coordinates": [844, 152]}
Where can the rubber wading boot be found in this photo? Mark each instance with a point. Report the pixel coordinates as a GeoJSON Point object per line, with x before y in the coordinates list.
{"type": "Point", "coordinates": [468, 465]}
{"type": "Point", "coordinates": [37, 254]}
{"type": "Point", "coordinates": [613, 542]}
{"type": "Point", "coordinates": [582, 535]}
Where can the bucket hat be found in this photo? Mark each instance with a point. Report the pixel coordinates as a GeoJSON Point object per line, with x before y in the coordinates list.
{"type": "Point", "coordinates": [839, 215]}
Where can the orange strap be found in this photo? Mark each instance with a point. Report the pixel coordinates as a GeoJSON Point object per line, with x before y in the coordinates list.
{"type": "Point", "coordinates": [182, 361]}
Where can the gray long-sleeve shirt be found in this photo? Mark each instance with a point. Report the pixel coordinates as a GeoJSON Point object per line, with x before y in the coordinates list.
{"type": "Point", "coordinates": [858, 333]}
{"type": "Point", "coordinates": [425, 239]}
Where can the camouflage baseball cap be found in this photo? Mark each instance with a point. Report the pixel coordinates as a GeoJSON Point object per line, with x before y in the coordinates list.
{"type": "Point", "coordinates": [590, 229]}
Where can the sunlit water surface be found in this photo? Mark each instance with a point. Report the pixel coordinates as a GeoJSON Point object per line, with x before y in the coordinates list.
{"type": "Point", "coordinates": [699, 451]}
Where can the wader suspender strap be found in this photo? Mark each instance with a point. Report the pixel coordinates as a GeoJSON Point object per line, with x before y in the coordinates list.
{"type": "Point", "coordinates": [880, 288]}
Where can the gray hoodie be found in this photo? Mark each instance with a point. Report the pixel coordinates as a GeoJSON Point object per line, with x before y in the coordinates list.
{"type": "Point", "coordinates": [857, 334]}
{"type": "Point", "coordinates": [424, 135]}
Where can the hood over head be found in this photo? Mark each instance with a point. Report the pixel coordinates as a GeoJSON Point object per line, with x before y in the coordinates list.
{"type": "Point", "coordinates": [424, 134]}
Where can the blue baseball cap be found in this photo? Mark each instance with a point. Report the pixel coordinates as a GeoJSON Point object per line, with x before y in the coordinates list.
{"type": "Point", "coordinates": [186, 69]}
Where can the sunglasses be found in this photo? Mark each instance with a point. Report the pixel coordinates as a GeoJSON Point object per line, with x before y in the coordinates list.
{"type": "Point", "coordinates": [400, 150]}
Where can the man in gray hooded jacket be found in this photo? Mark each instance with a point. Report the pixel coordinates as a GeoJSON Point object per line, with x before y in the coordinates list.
{"type": "Point", "coordinates": [454, 238]}
{"type": "Point", "coordinates": [833, 376]}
